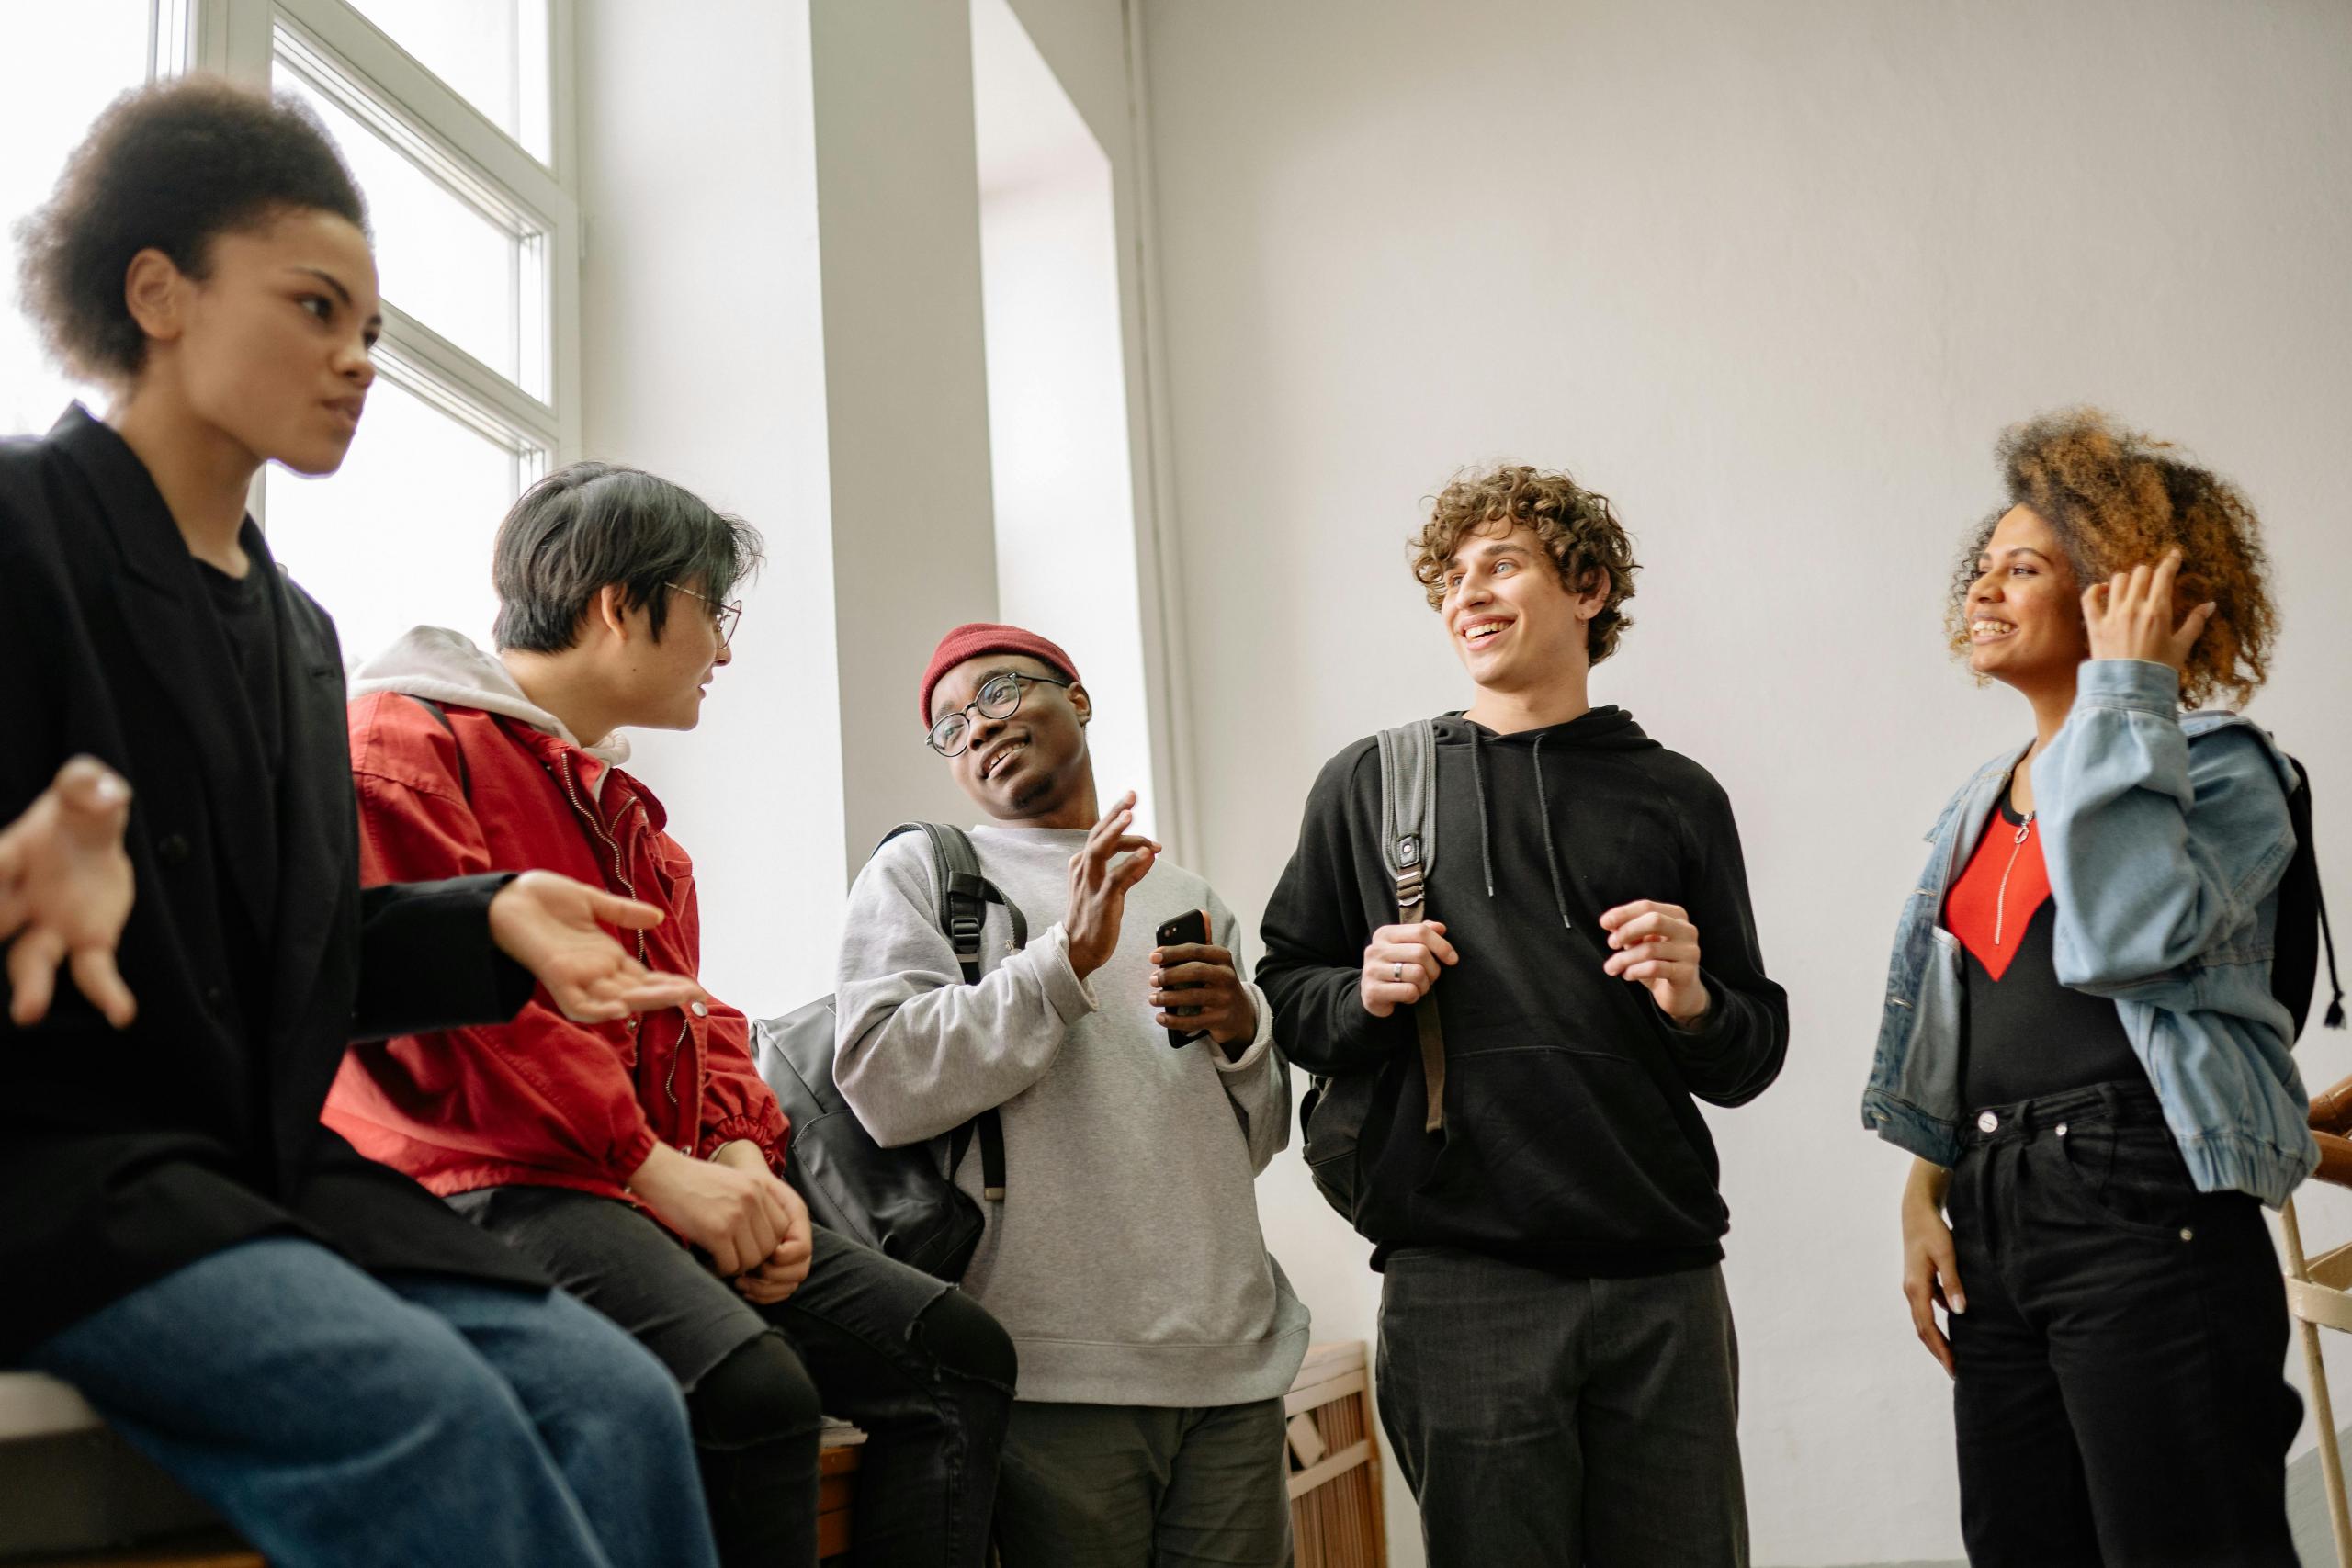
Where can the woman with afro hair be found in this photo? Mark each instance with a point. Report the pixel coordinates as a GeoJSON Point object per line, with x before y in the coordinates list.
{"type": "Point", "coordinates": [2081, 1046]}
{"type": "Point", "coordinates": [348, 1371]}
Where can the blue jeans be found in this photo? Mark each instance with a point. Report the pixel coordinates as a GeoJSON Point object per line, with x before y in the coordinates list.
{"type": "Point", "coordinates": [334, 1418]}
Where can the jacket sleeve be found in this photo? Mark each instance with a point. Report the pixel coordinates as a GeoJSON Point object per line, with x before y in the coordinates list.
{"type": "Point", "coordinates": [1315, 932]}
{"type": "Point", "coordinates": [917, 1051]}
{"type": "Point", "coordinates": [1258, 1080]}
{"type": "Point", "coordinates": [2156, 851]}
{"type": "Point", "coordinates": [426, 960]}
{"type": "Point", "coordinates": [1739, 1046]}
{"type": "Point", "coordinates": [737, 1103]}
{"type": "Point", "coordinates": [420, 827]}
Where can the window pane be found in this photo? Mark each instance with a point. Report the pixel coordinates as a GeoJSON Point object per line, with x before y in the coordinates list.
{"type": "Point", "coordinates": [402, 535]}
{"type": "Point", "coordinates": [493, 52]}
{"type": "Point", "coordinates": [439, 257]}
{"type": "Point", "coordinates": [61, 65]}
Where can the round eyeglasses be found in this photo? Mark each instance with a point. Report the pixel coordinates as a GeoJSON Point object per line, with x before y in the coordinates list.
{"type": "Point", "coordinates": [724, 617]}
{"type": "Point", "coordinates": [999, 698]}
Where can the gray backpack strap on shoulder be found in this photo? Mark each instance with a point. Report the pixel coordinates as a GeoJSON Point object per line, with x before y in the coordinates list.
{"type": "Point", "coordinates": [1408, 845]}
{"type": "Point", "coordinates": [964, 895]}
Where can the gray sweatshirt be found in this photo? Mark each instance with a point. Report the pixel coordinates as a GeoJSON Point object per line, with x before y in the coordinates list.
{"type": "Point", "coordinates": [1125, 1260]}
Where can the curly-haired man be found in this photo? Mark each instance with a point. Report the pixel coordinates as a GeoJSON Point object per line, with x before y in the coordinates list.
{"type": "Point", "coordinates": [1557, 1366]}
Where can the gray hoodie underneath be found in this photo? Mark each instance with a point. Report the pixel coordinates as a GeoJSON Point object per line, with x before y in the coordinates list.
{"type": "Point", "coordinates": [1125, 1260]}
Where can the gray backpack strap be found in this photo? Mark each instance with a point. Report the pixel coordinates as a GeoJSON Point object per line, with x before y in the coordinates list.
{"type": "Point", "coordinates": [1409, 846]}
{"type": "Point", "coordinates": [964, 897]}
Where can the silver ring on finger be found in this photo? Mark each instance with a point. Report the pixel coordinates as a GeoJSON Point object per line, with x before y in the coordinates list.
{"type": "Point", "coordinates": [1397, 974]}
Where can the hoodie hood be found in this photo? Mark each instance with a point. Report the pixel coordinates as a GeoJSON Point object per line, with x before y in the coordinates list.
{"type": "Point", "coordinates": [448, 668]}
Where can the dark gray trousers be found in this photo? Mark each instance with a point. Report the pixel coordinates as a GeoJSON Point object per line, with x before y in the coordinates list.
{"type": "Point", "coordinates": [1548, 1422]}
{"type": "Point", "coordinates": [1138, 1487]}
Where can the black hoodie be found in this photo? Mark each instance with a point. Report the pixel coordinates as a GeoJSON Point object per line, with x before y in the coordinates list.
{"type": "Point", "coordinates": [1571, 1137]}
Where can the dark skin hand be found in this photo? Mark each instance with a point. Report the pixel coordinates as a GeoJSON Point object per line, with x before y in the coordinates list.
{"type": "Point", "coordinates": [1202, 979]}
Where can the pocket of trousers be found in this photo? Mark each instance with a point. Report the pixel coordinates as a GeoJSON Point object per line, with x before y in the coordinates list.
{"type": "Point", "coordinates": [2130, 1176]}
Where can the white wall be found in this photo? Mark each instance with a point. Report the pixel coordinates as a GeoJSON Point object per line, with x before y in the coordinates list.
{"type": "Point", "coordinates": [704, 362]}
{"type": "Point", "coordinates": [1057, 386]}
{"type": "Point", "coordinates": [1772, 277]}
{"type": "Point", "coordinates": [914, 548]}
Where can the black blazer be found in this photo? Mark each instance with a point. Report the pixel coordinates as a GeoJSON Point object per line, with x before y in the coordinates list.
{"type": "Point", "coordinates": [124, 1155]}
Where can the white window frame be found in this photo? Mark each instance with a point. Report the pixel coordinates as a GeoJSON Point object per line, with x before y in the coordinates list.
{"type": "Point", "coordinates": [459, 146]}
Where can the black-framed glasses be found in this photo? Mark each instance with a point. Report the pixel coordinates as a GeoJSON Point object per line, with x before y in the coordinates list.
{"type": "Point", "coordinates": [999, 698]}
{"type": "Point", "coordinates": [725, 616]}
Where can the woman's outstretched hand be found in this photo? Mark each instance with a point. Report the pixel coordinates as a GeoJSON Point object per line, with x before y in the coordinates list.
{"type": "Point", "coordinates": [65, 893]}
{"type": "Point", "coordinates": [2130, 615]}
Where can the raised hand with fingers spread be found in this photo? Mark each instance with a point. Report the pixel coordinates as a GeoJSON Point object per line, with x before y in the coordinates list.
{"type": "Point", "coordinates": [1098, 880]}
{"type": "Point", "coordinates": [549, 924]}
{"type": "Point", "coordinates": [66, 892]}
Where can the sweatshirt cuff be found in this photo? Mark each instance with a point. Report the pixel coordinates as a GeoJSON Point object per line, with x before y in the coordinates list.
{"type": "Point", "coordinates": [1066, 991]}
{"type": "Point", "coordinates": [1713, 1025]}
{"type": "Point", "coordinates": [1261, 1043]}
{"type": "Point", "coordinates": [2137, 684]}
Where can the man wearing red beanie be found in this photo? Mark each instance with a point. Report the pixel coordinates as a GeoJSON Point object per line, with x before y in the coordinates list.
{"type": "Point", "coordinates": [1156, 1336]}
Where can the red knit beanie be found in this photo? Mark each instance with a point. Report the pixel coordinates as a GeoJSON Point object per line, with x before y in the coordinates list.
{"type": "Point", "coordinates": [986, 636]}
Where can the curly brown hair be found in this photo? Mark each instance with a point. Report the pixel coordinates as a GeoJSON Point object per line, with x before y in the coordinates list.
{"type": "Point", "coordinates": [169, 167]}
{"type": "Point", "coordinates": [2117, 497]}
{"type": "Point", "coordinates": [1587, 542]}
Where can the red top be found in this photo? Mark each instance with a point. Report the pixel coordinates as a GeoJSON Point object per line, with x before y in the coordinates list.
{"type": "Point", "coordinates": [541, 1100]}
{"type": "Point", "coordinates": [1990, 922]}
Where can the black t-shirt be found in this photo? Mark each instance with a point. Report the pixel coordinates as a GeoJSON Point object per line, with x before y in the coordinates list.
{"type": "Point", "coordinates": [249, 619]}
{"type": "Point", "coordinates": [246, 611]}
{"type": "Point", "coordinates": [2025, 1034]}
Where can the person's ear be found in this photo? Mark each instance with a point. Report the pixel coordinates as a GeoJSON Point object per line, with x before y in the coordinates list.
{"type": "Point", "coordinates": [1082, 704]}
{"type": "Point", "coordinates": [154, 290]}
{"type": "Point", "coordinates": [610, 609]}
{"type": "Point", "coordinates": [1594, 597]}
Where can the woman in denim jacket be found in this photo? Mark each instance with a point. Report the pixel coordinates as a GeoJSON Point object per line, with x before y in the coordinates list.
{"type": "Point", "coordinates": [2080, 1044]}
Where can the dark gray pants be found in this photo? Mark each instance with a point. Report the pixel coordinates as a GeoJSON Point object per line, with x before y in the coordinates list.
{"type": "Point", "coordinates": [1547, 1422]}
{"type": "Point", "coordinates": [1138, 1487]}
{"type": "Point", "coordinates": [914, 1362]}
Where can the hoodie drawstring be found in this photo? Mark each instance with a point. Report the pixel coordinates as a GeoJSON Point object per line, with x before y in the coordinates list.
{"type": "Point", "coordinates": [1551, 854]}
{"type": "Point", "coordinates": [1485, 836]}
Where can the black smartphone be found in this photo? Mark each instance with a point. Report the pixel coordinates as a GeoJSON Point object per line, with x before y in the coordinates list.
{"type": "Point", "coordinates": [1188, 929]}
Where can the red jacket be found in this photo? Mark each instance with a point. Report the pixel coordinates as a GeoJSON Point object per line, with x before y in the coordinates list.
{"type": "Point", "coordinates": [541, 1100]}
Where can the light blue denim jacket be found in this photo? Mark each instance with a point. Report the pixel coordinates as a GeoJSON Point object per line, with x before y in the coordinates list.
{"type": "Point", "coordinates": [2166, 835]}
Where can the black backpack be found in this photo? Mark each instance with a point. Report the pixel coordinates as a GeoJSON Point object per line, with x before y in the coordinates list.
{"type": "Point", "coordinates": [903, 1202]}
{"type": "Point", "coordinates": [2303, 930]}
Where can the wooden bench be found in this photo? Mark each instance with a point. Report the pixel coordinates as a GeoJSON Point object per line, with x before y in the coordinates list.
{"type": "Point", "coordinates": [837, 1456]}
{"type": "Point", "coordinates": [1336, 1519]}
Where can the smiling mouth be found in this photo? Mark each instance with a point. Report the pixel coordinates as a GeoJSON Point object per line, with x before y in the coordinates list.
{"type": "Point", "coordinates": [1983, 631]}
{"type": "Point", "coordinates": [998, 759]}
{"type": "Point", "coordinates": [1484, 632]}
